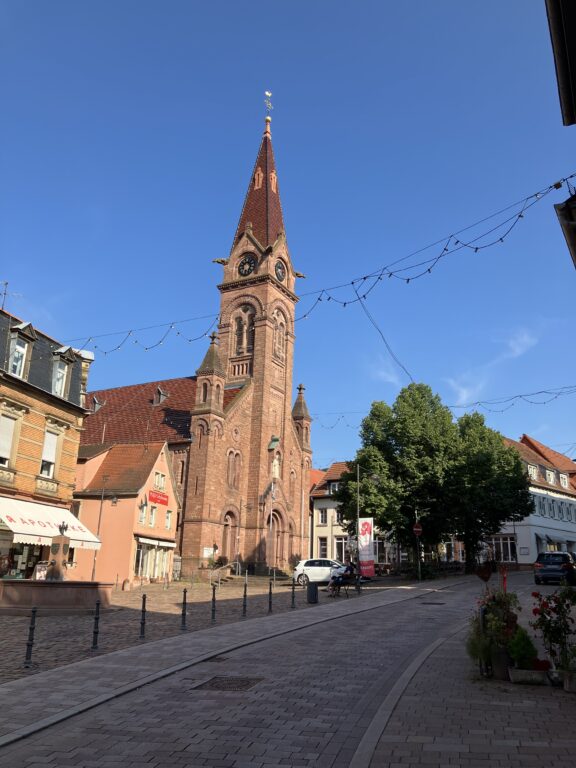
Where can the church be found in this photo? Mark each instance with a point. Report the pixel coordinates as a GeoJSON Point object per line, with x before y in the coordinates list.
{"type": "Point", "coordinates": [239, 450]}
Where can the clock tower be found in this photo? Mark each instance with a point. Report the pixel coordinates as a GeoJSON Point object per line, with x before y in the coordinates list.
{"type": "Point", "coordinates": [252, 439]}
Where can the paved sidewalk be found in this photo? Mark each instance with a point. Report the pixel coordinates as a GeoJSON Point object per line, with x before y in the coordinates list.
{"type": "Point", "coordinates": [378, 682]}
{"type": "Point", "coordinates": [61, 640]}
{"type": "Point", "coordinates": [86, 683]}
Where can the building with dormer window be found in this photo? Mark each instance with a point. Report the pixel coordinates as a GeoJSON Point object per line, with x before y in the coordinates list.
{"type": "Point", "coordinates": [42, 393]}
{"type": "Point", "coordinates": [552, 525]}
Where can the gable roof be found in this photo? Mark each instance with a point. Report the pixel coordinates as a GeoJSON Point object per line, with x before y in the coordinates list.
{"type": "Point", "coordinates": [316, 476]}
{"type": "Point", "coordinates": [332, 474]}
{"type": "Point", "coordinates": [560, 461]}
{"type": "Point", "coordinates": [125, 470]}
{"type": "Point", "coordinates": [532, 457]}
{"type": "Point", "coordinates": [128, 414]}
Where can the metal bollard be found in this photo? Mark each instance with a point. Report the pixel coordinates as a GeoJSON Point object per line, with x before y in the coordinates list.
{"type": "Point", "coordinates": [270, 597]}
{"type": "Point", "coordinates": [143, 619]}
{"type": "Point", "coordinates": [183, 624]}
{"type": "Point", "coordinates": [28, 660]}
{"type": "Point", "coordinates": [293, 603]}
{"type": "Point", "coordinates": [213, 603]}
{"type": "Point", "coordinates": [245, 600]}
{"type": "Point", "coordinates": [96, 630]}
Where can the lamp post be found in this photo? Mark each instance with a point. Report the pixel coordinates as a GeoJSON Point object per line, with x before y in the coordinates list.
{"type": "Point", "coordinates": [104, 479]}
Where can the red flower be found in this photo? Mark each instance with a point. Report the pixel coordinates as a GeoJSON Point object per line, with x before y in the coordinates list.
{"type": "Point", "coordinates": [535, 594]}
{"type": "Point", "coordinates": [545, 605]}
{"type": "Point", "coordinates": [536, 611]}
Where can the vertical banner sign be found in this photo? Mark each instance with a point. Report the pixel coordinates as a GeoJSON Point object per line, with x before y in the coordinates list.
{"type": "Point", "coordinates": [366, 546]}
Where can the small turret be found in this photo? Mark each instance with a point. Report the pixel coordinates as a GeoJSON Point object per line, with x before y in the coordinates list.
{"type": "Point", "coordinates": [210, 380]}
{"type": "Point", "coordinates": [302, 419]}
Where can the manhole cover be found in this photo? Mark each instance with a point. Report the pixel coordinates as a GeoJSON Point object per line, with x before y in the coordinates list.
{"type": "Point", "coordinates": [432, 603]}
{"type": "Point", "coordinates": [229, 683]}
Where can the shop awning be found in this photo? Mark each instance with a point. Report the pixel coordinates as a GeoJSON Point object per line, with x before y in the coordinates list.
{"type": "Point", "coordinates": [156, 542]}
{"type": "Point", "coordinates": [38, 523]}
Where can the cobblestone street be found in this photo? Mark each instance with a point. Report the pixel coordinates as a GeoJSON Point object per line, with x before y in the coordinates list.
{"type": "Point", "coordinates": [64, 639]}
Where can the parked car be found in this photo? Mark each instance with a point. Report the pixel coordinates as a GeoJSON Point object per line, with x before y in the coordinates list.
{"type": "Point", "coordinates": [555, 566]}
{"type": "Point", "coordinates": [315, 570]}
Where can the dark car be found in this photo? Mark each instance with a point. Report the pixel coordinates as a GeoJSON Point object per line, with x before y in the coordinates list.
{"type": "Point", "coordinates": [555, 566]}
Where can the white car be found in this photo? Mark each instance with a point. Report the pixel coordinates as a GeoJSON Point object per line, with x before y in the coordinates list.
{"type": "Point", "coordinates": [315, 570]}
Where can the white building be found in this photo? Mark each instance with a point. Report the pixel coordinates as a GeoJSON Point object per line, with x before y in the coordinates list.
{"type": "Point", "coordinates": [552, 525]}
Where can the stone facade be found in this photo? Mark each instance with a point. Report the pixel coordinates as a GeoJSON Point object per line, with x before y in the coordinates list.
{"type": "Point", "coordinates": [240, 453]}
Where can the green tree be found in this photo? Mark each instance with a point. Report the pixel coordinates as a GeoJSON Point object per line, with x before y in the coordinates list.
{"type": "Point", "coordinates": [486, 486]}
{"type": "Point", "coordinates": [408, 446]}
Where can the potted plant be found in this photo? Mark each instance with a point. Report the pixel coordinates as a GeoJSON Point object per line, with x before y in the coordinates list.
{"type": "Point", "coordinates": [523, 653]}
{"type": "Point", "coordinates": [554, 621]}
{"type": "Point", "coordinates": [490, 631]}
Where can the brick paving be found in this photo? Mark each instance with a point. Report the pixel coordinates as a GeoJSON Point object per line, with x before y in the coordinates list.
{"type": "Point", "coordinates": [315, 693]}
{"type": "Point", "coordinates": [63, 640]}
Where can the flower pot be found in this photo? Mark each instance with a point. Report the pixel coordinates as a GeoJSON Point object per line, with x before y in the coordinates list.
{"type": "Point", "coordinates": [570, 682]}
{"type": "Point", "coordinates": [500, 661]}
{"type": "Point", "coordinates": [528, 676]}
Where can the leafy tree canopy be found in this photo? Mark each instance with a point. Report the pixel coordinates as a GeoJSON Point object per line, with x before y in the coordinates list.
{"type": "Point", "coordinates": [416, 462]}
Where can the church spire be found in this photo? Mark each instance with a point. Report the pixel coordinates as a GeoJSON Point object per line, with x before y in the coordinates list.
{"type": "Point", "coordinates": [262, 209]}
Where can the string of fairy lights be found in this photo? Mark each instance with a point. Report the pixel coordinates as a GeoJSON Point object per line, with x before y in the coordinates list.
{"type": "Point", "coordinates": [406, 269]}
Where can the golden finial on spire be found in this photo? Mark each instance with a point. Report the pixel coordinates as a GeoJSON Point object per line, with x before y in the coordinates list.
{"type": "Point", "coordinates": [269, 108]}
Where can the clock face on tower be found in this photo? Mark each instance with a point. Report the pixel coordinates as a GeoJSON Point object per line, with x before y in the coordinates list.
{"type": "Point", "coordinates": [280, 270]}
{"type": "Point", "coordinates": [247, 265]}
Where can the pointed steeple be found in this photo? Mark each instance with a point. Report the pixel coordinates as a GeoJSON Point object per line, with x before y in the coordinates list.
{"type": "Point", "coordinates": [262, 209]}
{"type": "Point", "coordinates": [211, 363]}
{"type": "Point", "coordinates": [300, 410]}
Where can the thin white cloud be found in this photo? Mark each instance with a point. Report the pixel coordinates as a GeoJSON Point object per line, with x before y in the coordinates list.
{"type": "Point", "coordinates": [385, 372]}
{"type": "Point", "coordinates": [520, 342]}
{"type": "Point", "coordinates": [465, 392]}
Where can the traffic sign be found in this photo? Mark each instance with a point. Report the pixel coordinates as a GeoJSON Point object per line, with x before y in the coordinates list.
{"type": "Point", "coordinates": [417, 529]}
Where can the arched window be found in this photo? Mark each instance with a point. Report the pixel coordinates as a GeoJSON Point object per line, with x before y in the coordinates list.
{"type": "Point", "coordinates": [244, 329]}
{"type": "Point", "coordinates": [204, 391]}
{"type": "Point", "coordinates": [237, 470]}
{"type": "Point", "coordinates": [292, 485]}
{"type": "Point", "coordinates": [306, 435]}
{"type": "Point", "coordinates": [230, 469]}
{"type": "Point", "coordinates": [218, 394]}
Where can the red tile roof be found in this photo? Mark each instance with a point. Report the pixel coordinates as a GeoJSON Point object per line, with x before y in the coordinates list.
{"type": "Point", "coordinates": [125, 469]}
{"type": "Point", "coordinates": [531, 457]}
{"type": "Point", "coordinates": [262, 207]}
{"type": "Point", "coordinates": [316, 476]}
{"type": "Point", "coordinates": [559, 460]}
{"type": "Point", "coordinates": [128, 414]}
{"type": "Point", "coordinates": [332, 474]}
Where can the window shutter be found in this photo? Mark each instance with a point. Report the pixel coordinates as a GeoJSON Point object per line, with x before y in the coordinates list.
{"type": "Point", "coordinates": [49, 450]}
{"type": "Point", "coordinates": [6, 436]}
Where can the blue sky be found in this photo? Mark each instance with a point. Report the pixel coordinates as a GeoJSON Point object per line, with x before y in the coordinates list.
{"type": "Point", "coordinates": [129, 129]}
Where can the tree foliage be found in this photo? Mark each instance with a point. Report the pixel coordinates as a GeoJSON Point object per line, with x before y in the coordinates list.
{"type": "Point", "coordinates": [417, 463]}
